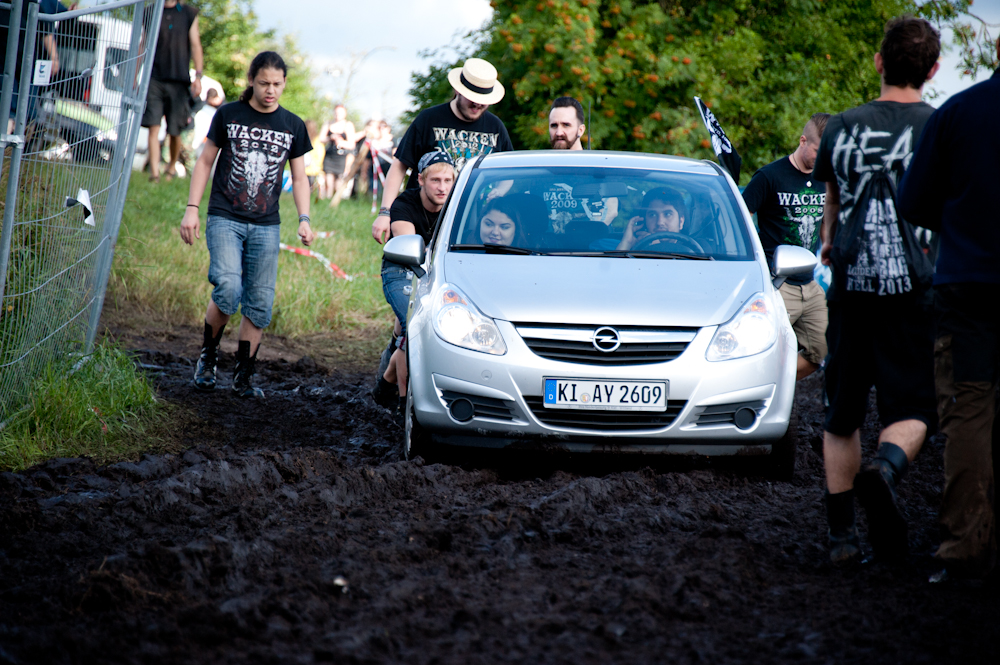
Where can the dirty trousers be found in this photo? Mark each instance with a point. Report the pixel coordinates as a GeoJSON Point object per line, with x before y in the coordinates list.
{"type": "Point", "coordinates": [966, 358]}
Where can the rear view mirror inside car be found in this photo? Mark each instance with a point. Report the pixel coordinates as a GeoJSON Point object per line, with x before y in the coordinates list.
{"type": "Point", "coordinates": [603, 190]}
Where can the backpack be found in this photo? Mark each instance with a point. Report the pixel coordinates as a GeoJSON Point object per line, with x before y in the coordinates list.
{"type": "Point", "coordinates": [876, 205]}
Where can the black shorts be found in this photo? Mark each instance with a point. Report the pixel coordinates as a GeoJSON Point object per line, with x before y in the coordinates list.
{"type": "Point", "coordinates": [883, 342]}
{"type": "Point", "coordinates": [171, 99]}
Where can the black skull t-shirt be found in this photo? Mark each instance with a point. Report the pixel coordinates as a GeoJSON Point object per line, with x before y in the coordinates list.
{"type": "Point", "coordinates": [438, 128]}
{"type": "Point", "coordinates": [789, 207]}
{"type": "Point", "coordinates": [876, 138]}
{"type": "Point", "coordinates": [253, 149]}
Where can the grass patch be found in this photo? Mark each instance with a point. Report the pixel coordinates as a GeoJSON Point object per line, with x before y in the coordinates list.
{"type": "Point", "coordinates": [155, 274]}
{"type": "Point", "coordinates": [106, 410]}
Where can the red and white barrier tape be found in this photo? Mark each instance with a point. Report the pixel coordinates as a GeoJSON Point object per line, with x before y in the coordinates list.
{"type": "Point", "coordinates": [327, 263]}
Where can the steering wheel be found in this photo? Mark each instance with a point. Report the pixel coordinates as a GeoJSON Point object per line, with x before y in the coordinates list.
{"type": "Point", "coordinates": [680, 238]}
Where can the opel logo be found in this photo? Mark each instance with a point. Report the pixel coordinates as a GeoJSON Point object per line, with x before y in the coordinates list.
{"type": "Point", "coordinates": [606, 339]}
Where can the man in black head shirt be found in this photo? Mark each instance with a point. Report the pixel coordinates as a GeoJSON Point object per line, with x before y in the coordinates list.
{"type": "Point", "coordinates": [462, 127]}
{"type": "Point", "coordinates": [415, 211]}
{"type": "Point", "coordinates": [880, 332]}
{"type": "Point", "coordinates": [789, 208]}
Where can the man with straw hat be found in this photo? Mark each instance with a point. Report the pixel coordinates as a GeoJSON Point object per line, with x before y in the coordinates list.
{"type": "Point", "coordinates": [463, 128]}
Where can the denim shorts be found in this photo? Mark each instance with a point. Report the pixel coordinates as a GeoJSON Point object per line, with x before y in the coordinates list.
{"type": "Point", "coordinates": [396, 287]}
{"type": "Point", "coordinates": [243, 267]}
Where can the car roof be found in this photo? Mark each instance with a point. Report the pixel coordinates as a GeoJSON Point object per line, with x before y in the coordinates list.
{"type": "Point", "coordinates": [592, 158]}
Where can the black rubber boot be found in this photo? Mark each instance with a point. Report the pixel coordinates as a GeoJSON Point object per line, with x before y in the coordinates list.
{"type": "Point", "coordinates": [385, 394]}
{"type": "Point", "coordinates": [399, 415]}
{"type": "Point", "coordinates": [845, 543]}
{"type": "Point", "coordinates": [876, 488]}
{"type": "Point", "coordinates": [205, 370]}
{"type": "Point", "coordinates": [245, 364]}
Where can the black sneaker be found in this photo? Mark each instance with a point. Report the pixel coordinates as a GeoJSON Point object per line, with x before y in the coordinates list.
{"type": "Point", "coordinates": [245, 365]}
{"type": "Point", "coordinates": [876, 491]}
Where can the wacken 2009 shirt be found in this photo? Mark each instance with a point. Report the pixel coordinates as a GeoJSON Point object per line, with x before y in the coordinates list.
{"type": "Point", "coordinates": [439, 128]}
{"type": "Point", "coordinates": [253, 149]}
{"type": "Point", "coordinates": [878, 136]}
{"type": "Point", "coordinates": [789, 207]}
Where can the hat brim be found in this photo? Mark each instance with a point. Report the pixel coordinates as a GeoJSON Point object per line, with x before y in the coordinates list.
{"type": "Point", "coordinates": [455, 78]}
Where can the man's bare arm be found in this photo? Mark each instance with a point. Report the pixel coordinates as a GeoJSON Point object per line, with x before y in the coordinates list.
{"type": "Point", "coordinates": [393, 181]}
{"type": "Point", "coordinates": [197, 54]}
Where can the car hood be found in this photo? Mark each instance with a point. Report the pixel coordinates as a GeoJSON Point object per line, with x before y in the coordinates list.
{"type": "Point", "coordinates": [608, 291]}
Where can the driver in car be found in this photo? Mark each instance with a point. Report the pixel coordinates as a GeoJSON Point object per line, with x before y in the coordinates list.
{"type": "Point", "coordinates": [664, 212]}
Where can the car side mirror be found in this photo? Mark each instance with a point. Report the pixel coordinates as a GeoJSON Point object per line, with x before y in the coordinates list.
{"type": "Point", "coordinates": [408, 250]}
{"type": "Point", "coordinates": [789, 260]}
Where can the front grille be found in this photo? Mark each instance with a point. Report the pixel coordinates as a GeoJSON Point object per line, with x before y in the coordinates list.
{"type": "Point", "coordinates": [605, 421]}
{"type": "Point", "coordinates": [574, 344]}
{"type": "Point", "coordinates": [725, 414]}
{"type": "Point", "coordinates": [485, 407]}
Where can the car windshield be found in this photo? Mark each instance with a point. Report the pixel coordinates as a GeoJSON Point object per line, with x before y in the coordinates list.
{"type": "Point", "coordinates": [588, 211]}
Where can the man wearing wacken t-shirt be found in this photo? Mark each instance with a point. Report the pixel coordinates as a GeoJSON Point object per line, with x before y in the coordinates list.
{"type": "Point", "coordinates": [880, 328]}
{"type": "Point", "coordinates": [789, 208]}
{"type": "Point", "coordinates": [463, 128]}
{"type": "Point", "coordinates": [566, 130]}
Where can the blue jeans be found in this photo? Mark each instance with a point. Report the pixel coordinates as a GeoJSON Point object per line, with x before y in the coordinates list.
{"type": "Point", "coordinates": [243, 267]}
{"type": "Point", "coordinates": [396, 287]}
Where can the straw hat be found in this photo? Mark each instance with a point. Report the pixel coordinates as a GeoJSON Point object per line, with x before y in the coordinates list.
{"type": "Point", "coordinates": [477, 80]}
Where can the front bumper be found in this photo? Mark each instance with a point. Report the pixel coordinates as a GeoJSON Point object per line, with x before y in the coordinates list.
{"type": "Point", "coordinates": [506, 393]}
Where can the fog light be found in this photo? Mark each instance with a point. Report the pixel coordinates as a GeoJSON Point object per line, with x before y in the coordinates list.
{"type": "Point", "coordinates": [462, 410]}
{"type": "Point", "coordinates": [745, 418]}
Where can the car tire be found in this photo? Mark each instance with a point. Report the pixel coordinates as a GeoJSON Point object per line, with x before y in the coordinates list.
{"type": "Point", "coordinates": [416, 440]}
{"type": "Point", "coordinates": [781, 461]}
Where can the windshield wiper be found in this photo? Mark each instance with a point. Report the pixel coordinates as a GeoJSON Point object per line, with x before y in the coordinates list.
{"type": "Point", "coordinates": [627, 253]}
{"type": "Point", "coordinates": [495, 249]}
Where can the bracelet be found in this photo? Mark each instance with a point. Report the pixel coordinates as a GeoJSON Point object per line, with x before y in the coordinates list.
{"type": "Point", "coordinates": [191, 205]}
{"type": "Point", "coordinates": [383, 212]}
{"type": "Point", "coordinates": [304, 218]}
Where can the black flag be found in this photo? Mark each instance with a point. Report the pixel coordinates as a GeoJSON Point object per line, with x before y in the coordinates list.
{"type": "Point", "coordinates": [724, 150]}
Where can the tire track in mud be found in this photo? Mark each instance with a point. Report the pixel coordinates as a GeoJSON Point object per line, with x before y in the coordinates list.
{"type": "Point", "coordinates": [292, 531]}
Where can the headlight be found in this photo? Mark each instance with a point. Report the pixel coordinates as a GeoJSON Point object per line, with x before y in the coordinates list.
{"type": "Point", "coordinates": [459, 322]}
{"type": "Point", "coordinates": [752, 330]}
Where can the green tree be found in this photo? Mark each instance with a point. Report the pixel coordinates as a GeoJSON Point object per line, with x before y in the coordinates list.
{"type": "Point", "coordinates": [763, 66]}
{"type": "Point", "coordinates": [231, 36]}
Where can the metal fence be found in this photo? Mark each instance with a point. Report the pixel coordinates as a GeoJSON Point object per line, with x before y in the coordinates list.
{"type": "Point", "coordinates": [74, 87]}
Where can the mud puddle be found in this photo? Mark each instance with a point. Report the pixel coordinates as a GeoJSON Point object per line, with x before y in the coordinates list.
{"type": "Point", "coordinates": [291, 531]}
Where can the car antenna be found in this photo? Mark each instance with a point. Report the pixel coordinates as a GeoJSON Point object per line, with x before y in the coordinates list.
{"type": "Point", "coordinates": [590, 141]}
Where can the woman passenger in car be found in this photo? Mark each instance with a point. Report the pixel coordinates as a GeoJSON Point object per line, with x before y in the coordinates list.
{"type": "Point", "coordinates": [664, 211]}
{"type": "Point", "coordinates": [501, 224]}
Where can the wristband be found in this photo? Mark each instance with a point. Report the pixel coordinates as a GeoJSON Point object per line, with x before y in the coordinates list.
{"type": "Point", "coordinates": [383, 212]}
{"type": "Point", "coordinates": [304, 218]}
{"type": "Point", "coordinates": [191, 205]}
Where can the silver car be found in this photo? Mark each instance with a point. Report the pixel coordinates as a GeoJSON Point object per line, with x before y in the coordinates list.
{"type": "Point", "coordinates": [565, 328]}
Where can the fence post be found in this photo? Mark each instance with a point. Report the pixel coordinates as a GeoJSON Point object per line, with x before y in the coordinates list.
{"type": "Point", "coordinates": [10, 66]}
{"type": "Point", "coordinates": [130, 113]}
{"type": "Point", "coordinates": [24, 90]}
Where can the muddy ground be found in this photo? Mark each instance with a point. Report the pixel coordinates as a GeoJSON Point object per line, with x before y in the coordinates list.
{"type": "Point", "coordinates": [291, 531]}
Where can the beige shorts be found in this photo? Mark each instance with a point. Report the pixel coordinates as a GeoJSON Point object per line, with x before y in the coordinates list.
{"type": "Point", "coordinates": [806, 307]}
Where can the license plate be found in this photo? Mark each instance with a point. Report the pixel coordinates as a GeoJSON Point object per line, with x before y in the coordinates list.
{"type": "Point", "coordinates": [599, 395]}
